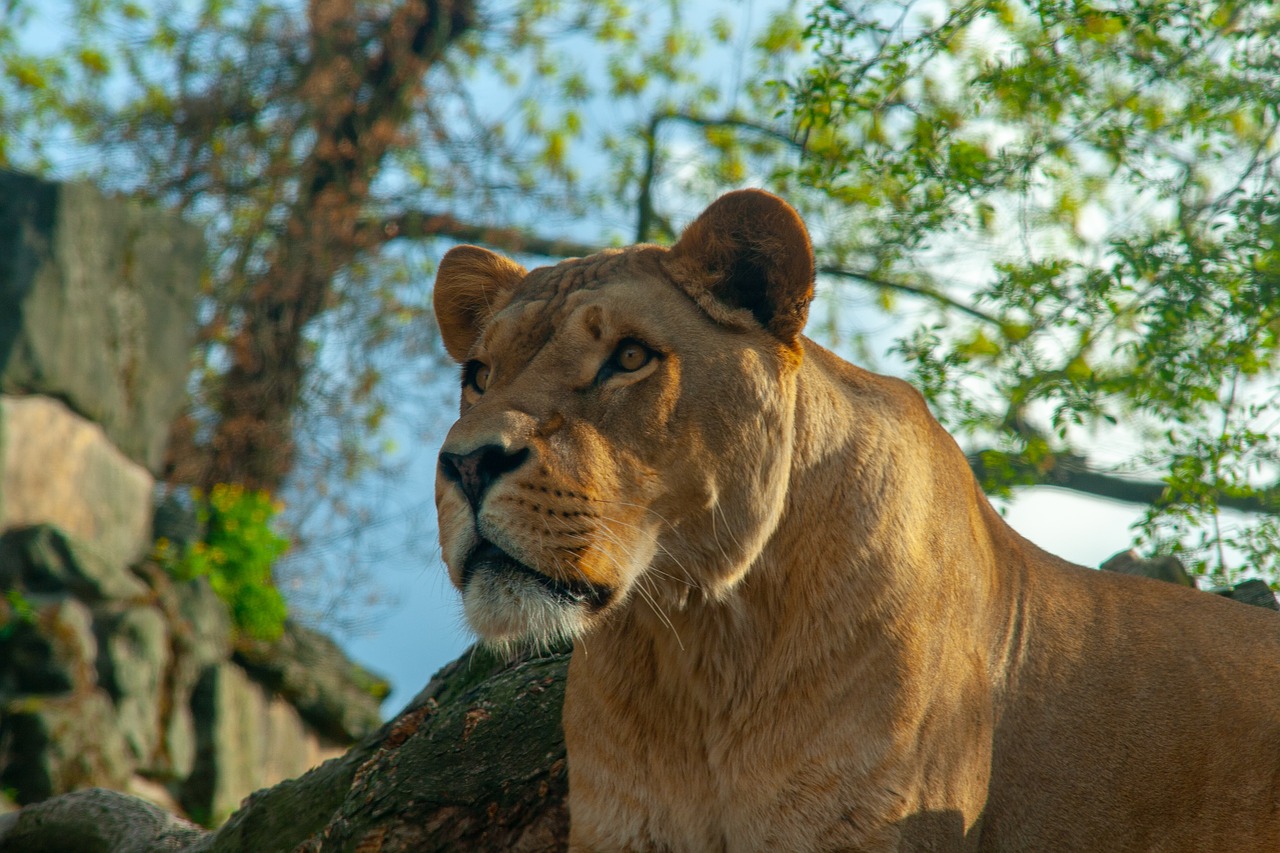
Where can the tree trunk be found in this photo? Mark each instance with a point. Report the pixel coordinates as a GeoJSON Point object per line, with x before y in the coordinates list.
{"type": "Point", "coordinates": [359, 86]}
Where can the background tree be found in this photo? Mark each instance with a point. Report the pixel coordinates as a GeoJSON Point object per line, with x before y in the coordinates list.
{"type": "Point", "coordinates": [1079, 195]}
{"type": "Point", "coordinates": [326, 145]}
{"type": "Point", "coordinates": [1088, 192]}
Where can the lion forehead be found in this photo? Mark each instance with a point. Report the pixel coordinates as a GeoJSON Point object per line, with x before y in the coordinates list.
{"type": "Point", "coordinates": [579, 292]}
{"type": "Point", "coordinates": [554, 284]}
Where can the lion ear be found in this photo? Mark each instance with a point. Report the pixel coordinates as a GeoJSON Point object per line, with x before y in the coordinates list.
{"type": "Point", "coordinates": [472, 285]}
{"type": "Point", "coordinates": [750, 250]}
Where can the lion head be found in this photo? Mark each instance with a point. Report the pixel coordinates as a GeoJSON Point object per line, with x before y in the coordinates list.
{"type": "Point", "coordinates": [626, 419]}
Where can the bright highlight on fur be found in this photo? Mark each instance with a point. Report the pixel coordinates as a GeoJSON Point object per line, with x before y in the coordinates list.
{"type": "Point", "coordinates": [807, 628]}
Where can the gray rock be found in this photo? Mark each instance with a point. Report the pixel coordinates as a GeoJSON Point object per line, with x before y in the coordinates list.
{"type": "Point", "coordinates": [54, 653]}
{"type": "Point", "coordinates": [200, 637]}
{"type": "Point", "coordinates": [43, 559]}
{"type": "Point", "coordinates": [337, 696]}
{"type": "Point", "coordinates": [135, 657]}
{"type": "Point", "coordinates": [97, 821]}
{"type": "Point", "coordinates": [96, 307]}
{"type": "Point", "coordinates": [206, 625]}
{"type": "Point", "coordinates": [247, 739]}
{"type": "Point", "coordinates": [1167, 568]}
{"type": "Point", "coordinates": [177, 758]}
{"type": "Point", "coordinates": [52, 745]}
{"type": "Point", "coordinates": [177, 521]}
{"type": "Point", "coordinates": [1253, 591]}
{"type": "Point", "coordinates": [58, 468]}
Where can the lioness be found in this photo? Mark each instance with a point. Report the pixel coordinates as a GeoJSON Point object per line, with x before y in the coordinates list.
{"type": "Point", "coordinates": [798, 623]}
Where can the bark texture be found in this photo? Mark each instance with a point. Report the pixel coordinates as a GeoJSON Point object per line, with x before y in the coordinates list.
{"type": "Point", "coordinates": [475, 762]}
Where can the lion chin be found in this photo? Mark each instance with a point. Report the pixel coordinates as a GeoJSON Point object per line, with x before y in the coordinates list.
{"type": "Point", "coordinates": [510, 605]}
{"type": "Point", "coordinates": [807, 627]}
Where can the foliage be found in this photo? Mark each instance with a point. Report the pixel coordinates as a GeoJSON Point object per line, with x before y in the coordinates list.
{"type": "Point", "coordinates": [15, 610]}
{"type": "Point", "coordinates": [1096, 182]}
{"type": "Point", "coordinates": [236, 555]}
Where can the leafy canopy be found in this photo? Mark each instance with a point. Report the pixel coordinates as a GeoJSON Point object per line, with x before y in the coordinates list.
{"type": "Point", "coordinates": [1098, 182]}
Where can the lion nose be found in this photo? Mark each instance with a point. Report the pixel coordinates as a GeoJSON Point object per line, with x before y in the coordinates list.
{"type": "Point", "coordinates": [477, 470]}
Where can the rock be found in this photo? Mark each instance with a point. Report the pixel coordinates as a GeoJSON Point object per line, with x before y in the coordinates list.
{"type": "Point", "coordinates": [334, 694]}
{"type": "Point", "coordinates": [96, 821]}
{"type": "Point", "coordinates": [43, 559]}
{"type": "Point", "coordinates": [96, 307]}
{"type": "Point", "coordinates": [58, 468]}
{"type": "Point", "coordinates": [52, 653]}
{"type": "Point", "coordinates": [135, 657]}
{"type": "Point", "coordinates": [1253, 591]}
{"type": "Point", "coordinates": [176, 520]}
{"type": "Point", "coordinates": [153, 792]}
{"type": "Point", "coordinates": [201, 636]}
{"type": "Point", "coordinates": [52, 745]}
{"type": "Point", "coordinates": [475, 763]}
{"type": "Point", "coordinates": [206, 625]}
{"type": "Point", "coordinates": [1167, 568]}
{"type": "Point", "coordinates": [245, 738]}
{"type": "Point", "coordinates": [177, 757]}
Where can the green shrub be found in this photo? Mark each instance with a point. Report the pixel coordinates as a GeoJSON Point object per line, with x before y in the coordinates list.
{"type": "Point", "coordinates": [236, 555]}
{"type": "Point", "coordinates": [15, 610]}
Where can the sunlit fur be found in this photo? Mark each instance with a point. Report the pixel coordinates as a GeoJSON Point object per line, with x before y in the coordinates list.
{"type": "Point", "coordinates": [818, 634]}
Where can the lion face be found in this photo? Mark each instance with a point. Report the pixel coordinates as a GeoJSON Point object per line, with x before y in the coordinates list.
{"type": "Point", "coordinates": [625, 422]}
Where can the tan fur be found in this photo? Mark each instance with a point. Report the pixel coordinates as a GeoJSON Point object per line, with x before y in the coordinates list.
{"type": "Point", "coordinates": [811, 631]}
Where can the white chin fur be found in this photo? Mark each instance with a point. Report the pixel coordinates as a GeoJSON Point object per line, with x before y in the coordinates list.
{"type": "Point", "coordinates": [509, 611]}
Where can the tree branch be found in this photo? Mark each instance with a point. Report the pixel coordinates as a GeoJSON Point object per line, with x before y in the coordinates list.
{"type": "Point", "coordinates": [416, 225]}
{"type": "Point", "coordinates": [914, 290]}
{"type": "Point", "coordinates": [423, 224]}
{"type": "Point", "coordinates": [1073, 473]}
{"type": "Point", "coordinates": [730, 121]}
{"type": "Point", "coordinates": [645, 214]}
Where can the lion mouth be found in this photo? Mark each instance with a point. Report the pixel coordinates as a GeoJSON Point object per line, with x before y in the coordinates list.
{"type": "Point", "coordinates": [489, 557]}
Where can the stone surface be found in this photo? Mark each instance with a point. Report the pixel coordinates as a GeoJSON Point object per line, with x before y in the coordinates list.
{"type": "Point", "coordinates": [45, 560]}
{"type": "Point", "coordinates": [334, 694]}
{"type": "Point", "coordinates": [96, 821]}
{"type": "Point", "coordinates": [205, 628]}
{"type": "Point", "coordinates": [58, 468]}
{"type": "Point", "coordinates": [1167, 568]}
{"type": "Point", "coordinates": [1253, 591]}
{"type": "Point", "coordinates": [245, 739]}
{"type": "Point", "coordinates": [55, 744]}
{"type": "Point", "coordinates": [176, 520]}
{"type": "Point", "coordinates": [53, 652]}
{"type": "Point", "coordinates": [153, 792]}
{"type": "Point", "coordinates": [475, 763]}
{"type": "Point", "coordinates": [96, 307]}
{"type": "Point", "coordinates": [135, 658]}
{"type": "Point", "coordinates": [201, 636]}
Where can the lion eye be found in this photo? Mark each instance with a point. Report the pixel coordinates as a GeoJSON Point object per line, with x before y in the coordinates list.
{"type": "Point", "coordinates": [476, 375]}
{"type": "Point", "coordinates": [631, 356]}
